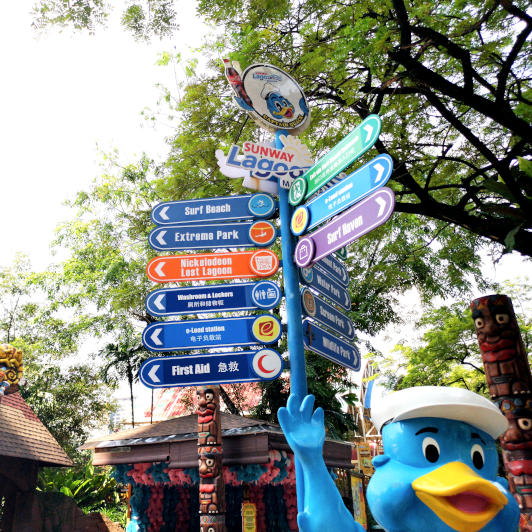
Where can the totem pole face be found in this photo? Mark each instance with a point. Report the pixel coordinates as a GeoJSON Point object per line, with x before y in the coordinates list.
{"type": "Point", "coordinates": [206, 399]}
{"type": "Point", "coordinates": [209, 462]}
{"type": "Point", "coordinates": [499, 341]}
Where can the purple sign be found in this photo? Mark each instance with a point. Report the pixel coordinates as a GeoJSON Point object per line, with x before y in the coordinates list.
{"type": "Point", "coordinates": [345, 228]}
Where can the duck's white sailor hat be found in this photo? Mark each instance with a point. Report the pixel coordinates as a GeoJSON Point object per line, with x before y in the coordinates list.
{"type": "Point", "coordinates": [442, 402]}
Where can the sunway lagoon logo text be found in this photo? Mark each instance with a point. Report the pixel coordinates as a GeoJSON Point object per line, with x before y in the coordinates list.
{"type": "Point", "coordinates": [265, 161]}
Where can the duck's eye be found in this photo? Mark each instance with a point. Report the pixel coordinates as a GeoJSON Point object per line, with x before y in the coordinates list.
{"type": "Point", "coordinates": [525, 423]}
{"type": "Point", "coordinates": [431, 449]}
{"type": "Point", "coordinates": [479, 323]}
{"type": "Point", "coordinates": [502, 319]}
{"type": "Point", "coordinates": [477, 455]}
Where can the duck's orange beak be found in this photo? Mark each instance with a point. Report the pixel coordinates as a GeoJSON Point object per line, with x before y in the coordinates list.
{"type": "Point", "coordinates": [462, 499]}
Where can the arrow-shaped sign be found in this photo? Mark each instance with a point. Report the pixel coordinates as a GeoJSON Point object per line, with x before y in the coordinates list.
{"type": "Point", "coordinates": [348, 150]}
{"type": "Point", "coordinates": [211, 210]}
{"type": "Point", "coordinates": [152, 373]}
{"type": "Point", "coordinates": [334, 268]}
{"type": "Point", "coordinates": [325, 285]}
{"type": "Point", "coordinates": [353, 188]}
{"type": "Point", "coordinates": [213, 368]}
{"type": "Point", "coordinates": [209, 236]}
{"type": "Point", "coordinates": [345, 228]}
{"type": "Point", "coordinates": [329, 346]}
{"type": "Point", "coordinates": [326, 314]}
{"type": "Point", "coordinates": [211, 266]}
{"type": "Point", "coordinates": [213, 298]}
{"type": "Point", "coordinates": [221, 332]}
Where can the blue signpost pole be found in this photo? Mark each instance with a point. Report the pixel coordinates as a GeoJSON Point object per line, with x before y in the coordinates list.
{"type": "Point", "coordinates": [296, 351]}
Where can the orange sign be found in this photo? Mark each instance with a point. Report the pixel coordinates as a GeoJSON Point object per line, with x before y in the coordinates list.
{"type": "Point", "coordinates": [211, 266]}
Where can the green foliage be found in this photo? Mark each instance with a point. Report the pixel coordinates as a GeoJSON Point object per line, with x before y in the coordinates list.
{"type": "Point", "coordinates": [93, 488]}
{"type": "Point", "coordinates": [447, 354]}
{"type": "Point", "coordinates": [142, 19]}
{"type": "Point", "coordinates": [70, 399]}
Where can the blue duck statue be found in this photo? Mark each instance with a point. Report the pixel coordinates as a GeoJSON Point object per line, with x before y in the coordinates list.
{"type": "Point", "coordinates": [438, 471]}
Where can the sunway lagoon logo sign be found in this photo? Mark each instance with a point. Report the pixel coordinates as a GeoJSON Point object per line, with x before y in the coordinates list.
{"type": "Point", "coordinates": [266, 162]}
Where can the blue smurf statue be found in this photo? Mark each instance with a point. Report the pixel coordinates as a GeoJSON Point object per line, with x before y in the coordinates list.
{"type": "Point", "coordinates": [438, 471]}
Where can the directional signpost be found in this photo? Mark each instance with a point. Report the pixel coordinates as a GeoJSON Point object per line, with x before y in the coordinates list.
{"type": "Point", "coordinates": [211, 210]}
{"type": "Point", "coordinates": [212, 266]}
{"type": "Point", "coordinates": [326, 286]}
{"type": "Point", "coordinates": [330, 346]}
{"type": "Point", "coordinates": [353, 188]}
{"type": "Point", "coordinates": [334, 268]}
{"type": "Point", "coordinates": [212, 368]}
{"type": "Point", "coordinates": [213, 298]}
{"type": "Point", "coordinates": [222, 332]}
{"type": "Point", "coordinates": [321, 311]}
{"type": "Point", "coordinates": [345, 228]}
{"type": "Point", "coordinates": [348, 150]}
{"type": "Point", "coordinates": [210, 236]}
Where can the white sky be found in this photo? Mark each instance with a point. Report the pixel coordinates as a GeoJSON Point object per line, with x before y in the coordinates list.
{"type": "Point", "coordinates": [62, 95]}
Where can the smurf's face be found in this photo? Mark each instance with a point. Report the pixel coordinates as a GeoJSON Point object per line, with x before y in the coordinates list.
{"type": "Point", "coordinates": [431, 442]}
{"type": "Point", "coordinates": [437, 474]}
{"type": "Point", "coordinates": [279, 106]}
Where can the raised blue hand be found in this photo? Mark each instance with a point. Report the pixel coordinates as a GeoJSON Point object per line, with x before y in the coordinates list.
{"type": "Point", "coordinates": [324, 510]}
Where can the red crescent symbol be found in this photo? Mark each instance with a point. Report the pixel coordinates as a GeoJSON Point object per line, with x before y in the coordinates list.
{"type": "Point", "coordinates": [261, 367]}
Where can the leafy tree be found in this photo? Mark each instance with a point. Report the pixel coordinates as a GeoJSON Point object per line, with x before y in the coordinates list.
{"type": "Point", "coordinates": [447, 353]}
{"type": "Point", "coordinates": [70, 399]}
{"type": "Point", "coordinates": [142, 18]}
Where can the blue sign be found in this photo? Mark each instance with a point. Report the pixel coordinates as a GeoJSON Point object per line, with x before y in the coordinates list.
{"type": "Point", "coordinates": [225, 208]}
{"type": "Point", "coordinates": [347, 192]}
{"type": "Point", "coordinates": [213, 298]}
{"type": "Point", "coordinates": [221, 332]}
{"type": "Point", "coordinates": [326, 314]}
{"type": "Point", "coordinates": [334, 268]}
{"type": "Point", "coordinates": [212, 368]}
{"type": "Point", "coordinates": [326, 286]}
{"type": "Point", "coordinates": [329, 346]}
{"type": "Point", "coordinates": [212, 236]}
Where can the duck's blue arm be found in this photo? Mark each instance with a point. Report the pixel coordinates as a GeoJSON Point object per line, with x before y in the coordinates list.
{"type": "Point", "coordinates": [324, 510]}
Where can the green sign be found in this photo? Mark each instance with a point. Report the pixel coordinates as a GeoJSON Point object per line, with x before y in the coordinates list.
{"type": "Point", "coordinates": [350, 148]}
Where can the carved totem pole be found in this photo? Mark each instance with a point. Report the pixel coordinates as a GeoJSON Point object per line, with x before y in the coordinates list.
{"type": "Point", "coordinates": [10, 368]}
{"type": "Point", "coordinates": [510, 386]}
{"type": "Point", "coordinates": [211, 488]}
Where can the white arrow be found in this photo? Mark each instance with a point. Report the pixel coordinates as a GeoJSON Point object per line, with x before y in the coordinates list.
{"type": "Point", "coordinates": [380, 170]}
{"type": "Point", "coordinates": [155, 336]}
{"type": "Point", "coordinates": [152, 373]}
{"type": "Point", "coordinates": [163, 211]}
{"type": "Point", "coordinates": [158, 302]}
{"type": "Point", "coordinates": [369, 129]}
{"type": "Point", "coordinates": [382, 206]}
{"type": "Point", "coordinates": [159, 269]}
{"type": "Point", "coordinates": [160, 238]}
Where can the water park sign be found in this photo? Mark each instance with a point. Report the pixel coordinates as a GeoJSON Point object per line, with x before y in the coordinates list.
{"type": "Point", "coordinates": [353, 223]}
{"type": "Point", "coordinates": [270, 96]}
{"type": "Point", "coordinates": [201, 334]}
{"type": "Point", "coordinates": [213, 266]}
{"type": "Point", "coordinates": [213, 298]}
{"type": "Point", "coordinates": [214, 368]}
{"type": "Point", "coordinates": [348, 150]}
{"type": "Point", "coordinates": [329, 346]}
{"type": "Point", "coordinates": [351, 189]}
{"type": "Point", "coordinates": [210, 236]}
{"type": "Point", "coordinates": [221, 209]}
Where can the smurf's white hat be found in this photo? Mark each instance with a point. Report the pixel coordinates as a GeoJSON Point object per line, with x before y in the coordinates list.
{"type": "Point", "coordinates": [442, 402]}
